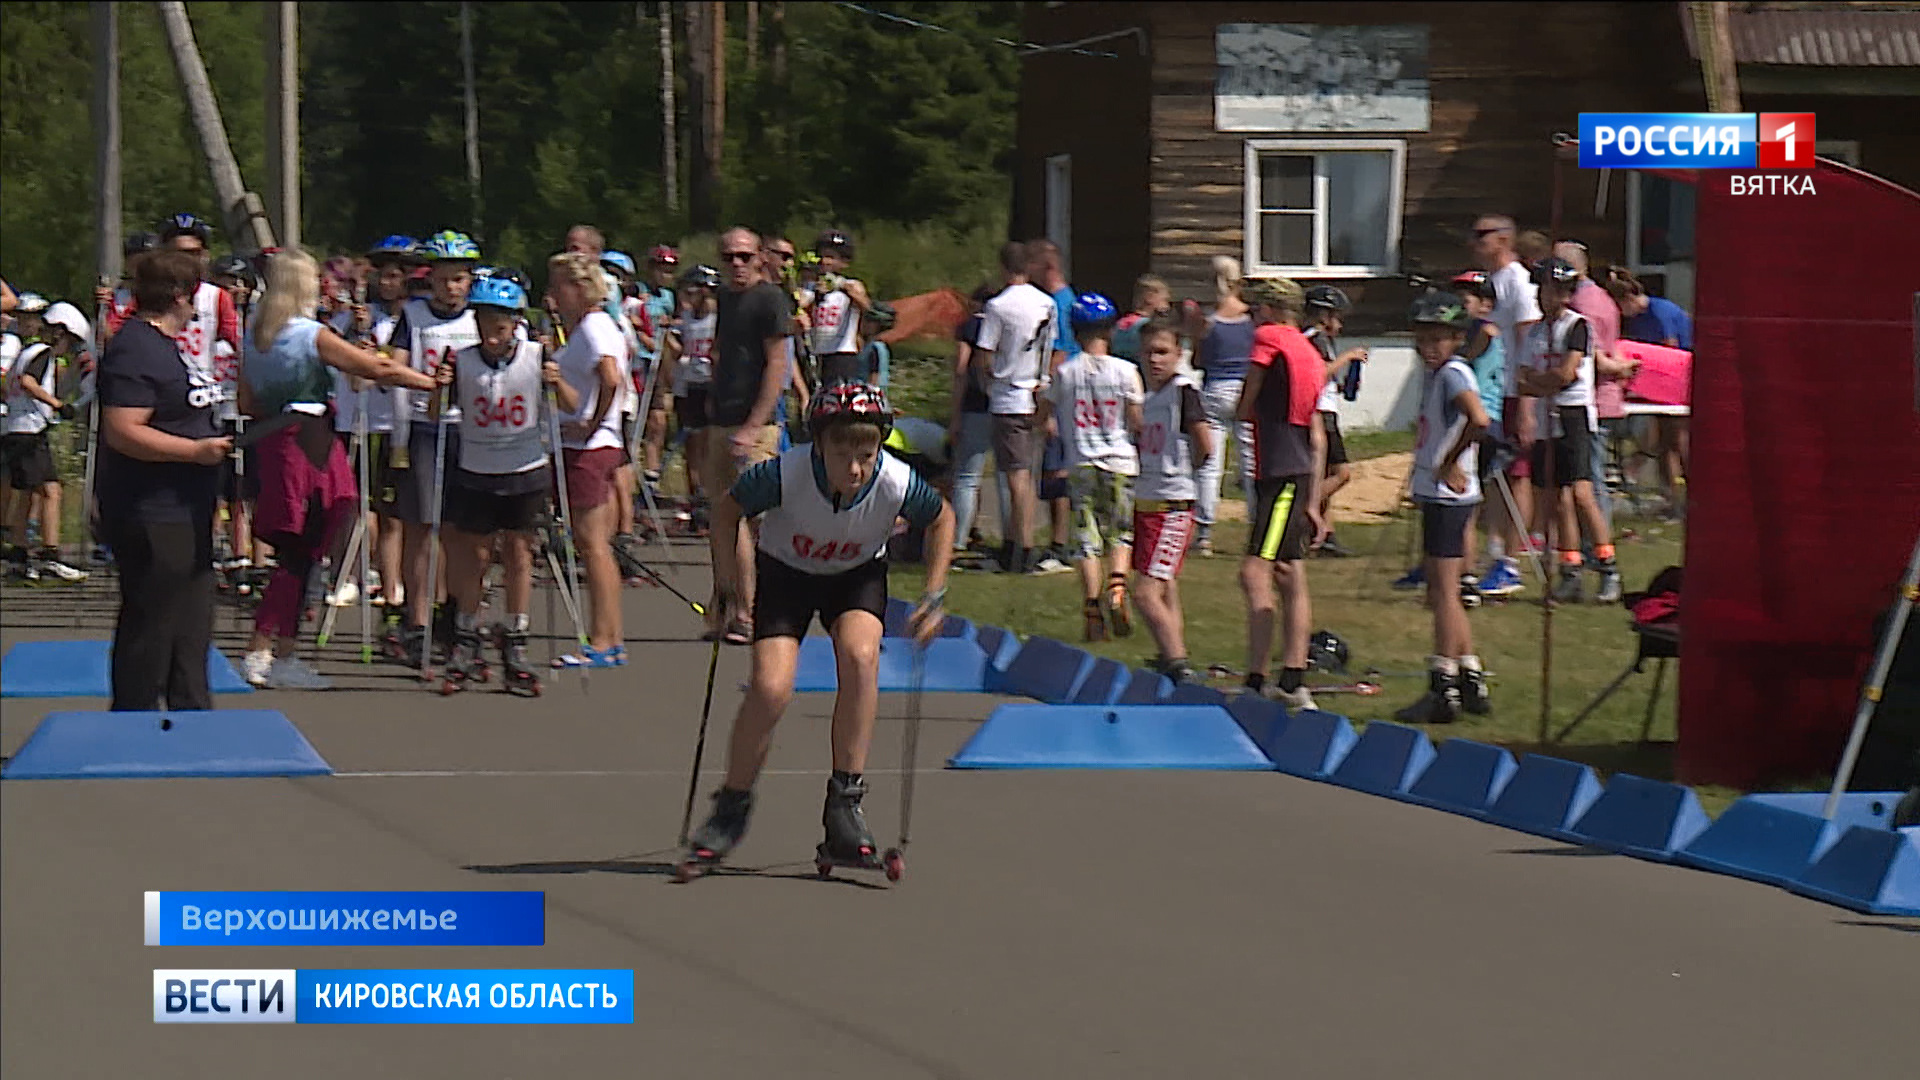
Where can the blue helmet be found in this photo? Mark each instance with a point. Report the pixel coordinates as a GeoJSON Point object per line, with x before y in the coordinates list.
{"type": "Point", "coordinates": [1092, 309]}
{"type": "Point", "coordinates": [497, 291]}
{"type": "Point", "coordinates": [185, 225]}
{"type": "Point", "coordinates": [393, 248]}
{"type": "Point", "coordinates": [620, 261]}
{"type": "Point", "coordinates": [450, 246]}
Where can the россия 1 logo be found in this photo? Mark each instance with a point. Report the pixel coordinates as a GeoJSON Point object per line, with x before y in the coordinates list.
{"type": "Point", "coordinates": [1781, 141]}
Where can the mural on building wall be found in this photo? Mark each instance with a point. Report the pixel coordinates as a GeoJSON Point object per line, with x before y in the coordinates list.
{"type": "Point", "coordinates": [1303, 77]}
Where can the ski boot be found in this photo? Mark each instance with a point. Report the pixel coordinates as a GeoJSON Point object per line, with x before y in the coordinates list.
{"type": "Point", "coordinates": [517, 673]}
{"type": "Point", "coordinates": [715, 840]}
{"type": "Point", "coordinates": [412, 648]}
{"type": "Point", "coordinates": [848, 842]}
{"type": "Point", "coordinates": [464, 662]}
{"type": "Point", "coordinates": [1117, 613]}
{"type": "Point", "coordinates": [1568, 589]}
{"type": "Point", "coordinates": [1611, 590]}
{"type": "Point", "coordinates": [1096, 621]}
{"type": "Point", "coordinates": [1439, 705]}
{"type": "Point", "coordinates": [1470, 597]}
{"type": "Point", "coordinates": [1473, 692]}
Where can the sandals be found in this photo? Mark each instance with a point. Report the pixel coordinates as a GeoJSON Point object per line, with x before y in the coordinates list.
{"type": "Point", "coordinates": [590, 657]}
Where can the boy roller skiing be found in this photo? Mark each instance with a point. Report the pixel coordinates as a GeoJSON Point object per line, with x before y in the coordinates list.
{"type": "Point", "coordinates": [827, 509]}
{"type": "Point", "coordinates": [497, 489]}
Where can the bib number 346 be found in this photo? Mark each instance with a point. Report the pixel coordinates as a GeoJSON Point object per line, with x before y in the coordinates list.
{"type": "Point", "coordinates": [500, 412]}
{"type": "Point", "coordinates": [825, 550]}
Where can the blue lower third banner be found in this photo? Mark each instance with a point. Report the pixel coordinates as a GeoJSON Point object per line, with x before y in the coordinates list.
{"type": "Point", "coordinates": [346, 918]}
{"type": "Point", "coordinates": [420, 996]}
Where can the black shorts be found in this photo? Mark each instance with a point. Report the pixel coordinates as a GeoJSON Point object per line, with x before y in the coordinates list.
{"type": "Point", "coordinates": [1572, 451]}
{"type": "Point", "coordinates": [474, 510]}
{"type": "Point", "coordinates": [785, 600]}
{"type": "Point", "coordinates": [1443, 529]}
{"type": "Point", "coordinates": [413, 486]}
{"type": "Point", "coordinates": [690, 409]}
{"type": "Point", "coordinates": [1280, 531]}
{"type": "Point", "coordinates": [1336, 445]}
{"type": "Point", "coordinates": [1489, 449]}
{"type": "Point", "coordinates": [27, 461]}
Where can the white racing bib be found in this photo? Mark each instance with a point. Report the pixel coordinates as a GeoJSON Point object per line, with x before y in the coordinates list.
{"type": "Point", "coordinates": [833, 324]}
{"type": "Point", "coordinates": [1166, 457]}
{"type": "Point", "coordinates": [434, 338]}
{"type": "Point", "coordinates": [196, 342]}
{"type": "Point", "coordinates": [808, 534]}
{"type": "Point", "coordinates": [500, 407]}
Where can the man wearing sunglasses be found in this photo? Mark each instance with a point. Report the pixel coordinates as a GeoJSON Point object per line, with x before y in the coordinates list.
{"type": "Point", "coordinates": [750, 372]}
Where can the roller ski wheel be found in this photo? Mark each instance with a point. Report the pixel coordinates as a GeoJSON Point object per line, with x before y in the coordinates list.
{"type": "Point", "coordinates": [848, 844]}
{"type": "Point", "coordinates": [717, 837]}
{"type": "Point", "coordinates": [896, 864]}
{"type": "Point", "coordinates": [517, 673]}
{"type": "Point", "coordinates": [825, 862]}
{"type": "Point", "coordinates": [695, 866]}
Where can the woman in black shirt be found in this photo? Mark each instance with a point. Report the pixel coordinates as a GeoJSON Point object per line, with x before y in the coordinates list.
{"type": "Point", "coordinates": [160, 455]}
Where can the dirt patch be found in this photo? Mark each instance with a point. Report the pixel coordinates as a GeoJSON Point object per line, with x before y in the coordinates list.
{"type": "Point", "coordinates": [1369, 498]}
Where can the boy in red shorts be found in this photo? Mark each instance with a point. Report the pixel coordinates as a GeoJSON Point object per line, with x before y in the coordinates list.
{"type": "Point", "coordinates": [1173, 436]}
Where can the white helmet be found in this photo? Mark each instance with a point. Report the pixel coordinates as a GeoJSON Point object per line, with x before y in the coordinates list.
{"type": "Point", "coordinates": [32, 302]}
{"type": "Point", "coordinates": [68, 317]}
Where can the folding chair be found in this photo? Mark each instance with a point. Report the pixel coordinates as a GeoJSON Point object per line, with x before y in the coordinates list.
{"type": "Point", "coordinates": [1655, 641]}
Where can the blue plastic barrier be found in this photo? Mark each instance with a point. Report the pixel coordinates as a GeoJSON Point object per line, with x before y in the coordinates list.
{"type": "Point", "coordinates": [85, 669]}
{"type": "Point", "coordinates": [1262, 718]}
{"type": "Point", "coordinates": [1545, 797]}
{"type": "Point", "coordinates": [1000, 645]}
{"type": "Point", "coordinates": [1046, 670]}
{"type": "Point", "coordinates": [1109, 737]}
{"type": "Point", "coordinates": [1103, 683]}
{"type": "Point", "coordinates": [1875, 871]}
{"type": "Point", "coordinates": [1312, 744]}
{"type": "Point", "coordinates": [1387, 759]}
{"type": "Point", "coordinates": [1196, 694]}
{"type": "Point", "coordinates": [1760, 841]}
{"type": "Point", "coordinates": [900, 614]}
{"type": "Point", "coordinates": [1647, 819]}
{"type": "Point", "coordinates": [1464, 778]}
{"type": "Point", "coordinates": [117, 745]}
{"type": "Point", "coordinates": [953, 665]}
{"type": "Point", "coordinates": [1145, 688]}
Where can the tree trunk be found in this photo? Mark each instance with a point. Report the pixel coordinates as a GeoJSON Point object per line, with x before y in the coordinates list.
{"type": "Point", "coordinates": [669, 125]}
{"type": "Point", "coordinates": [700, 179]}
{"type": "Point", "coordinates": [1712, 23]}
{"type": "Point", "coordinates": [473, 115]}
{"type": "Point", "coordinates": [753, 36]}
{"type": "Point", "coordinates": [717, 94]}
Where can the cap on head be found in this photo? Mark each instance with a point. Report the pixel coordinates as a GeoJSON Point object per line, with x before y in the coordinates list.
{"type": "Point", "coordinates": [68, 318]}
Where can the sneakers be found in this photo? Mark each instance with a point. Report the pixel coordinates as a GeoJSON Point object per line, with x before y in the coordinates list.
{"type": "Point", "coordinates": [347, 595]}
{"type": "Point", "coordinates": [1203, 541]}
{"type": "Point", "coordinates": [60, 571]}
{"type": "Point", "coordinates": [1096, 621]}
{"type": "Point", "coordinates": [1610, 590]}
{"type": "Point", "coordinates": [1295, 700]}
{"type": "Point", "coordinates": [1415, 578]}
{"type": "Point", "coordinates": [1501, 579]}
{"type": "Point", "coordinates": [1441, 704]}
{"type": "Point", "coordinates": [1049, 563]}
{"type": "Point", "coordinates": [1568, 589]}
{"type": "Point", "coordinates": [1473, 692]}
{"type": "Point", "coordinates": [264, 671]}
{"type": "Point", "coordinates": [1117, 612]}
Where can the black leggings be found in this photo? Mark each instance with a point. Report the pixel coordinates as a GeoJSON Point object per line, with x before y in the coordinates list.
{"type": "Point", "coordinates": [165, 627]}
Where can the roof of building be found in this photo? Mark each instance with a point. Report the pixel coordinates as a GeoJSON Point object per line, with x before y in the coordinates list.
{"type": "Point", "coordinates": [1820, 35]}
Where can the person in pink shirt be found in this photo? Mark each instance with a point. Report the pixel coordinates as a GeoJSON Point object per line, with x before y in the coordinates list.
{"type": "Point", "coordinates": [1610, 371]}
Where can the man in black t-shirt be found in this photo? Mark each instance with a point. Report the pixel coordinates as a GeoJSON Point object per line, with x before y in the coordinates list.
{"type": "Point", "coordinates": [749, 375]}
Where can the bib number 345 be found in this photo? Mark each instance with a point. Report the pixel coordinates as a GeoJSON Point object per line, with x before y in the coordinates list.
{"type": "Point", "coordinates": [825, 550]}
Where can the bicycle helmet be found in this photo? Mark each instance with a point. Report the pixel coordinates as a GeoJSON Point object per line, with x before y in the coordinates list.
{"type": "Point", "coordinates": [1474, 283]}
{"type": "Point", "coordinates": [185, 225]}
{"type": "Point", "coordinates": [232, 266]}
{"type": "Point", "coordinates": [1092, 309]}
{"type": "Point", "coordinates": [497, 291]}
{"type": "Point", "coordinates": [700, 277]}
{"type": "Point", "coordinates": [620, 261]}
{"type": "Point", "coordinates": [30, 303]}
{"type": "Point", "coordinates": [394, 248]}
{"type": "Point", "coordinates": [139, 244]}
{"type": "Point", "coordinates": [837, 242]}
{"type": "Point", "coordinates": [450, 246]}
{"type": "Point", "coordinates": [68, 318]}
{"type": "Point", "coordinates": [1556, 272]}
{"type": "Point", "coordinates": [1328, 297]}
{"type": "Point", "coordinates": [849, 403]}
{"type": "Point", "coordinates": [1439, 309]}
{"type": "Point", "coordinates": [1280, 292]}
{"type": "Point", "coordinates": [663, 255]}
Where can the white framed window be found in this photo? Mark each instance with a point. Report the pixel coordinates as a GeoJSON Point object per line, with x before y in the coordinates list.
{"type": "Point", "coordinates": [1060, 207]}
{"type": "Point", "coordinates": [1844, 151]}
{"type": "Point", "coordinates": [1326, 208]}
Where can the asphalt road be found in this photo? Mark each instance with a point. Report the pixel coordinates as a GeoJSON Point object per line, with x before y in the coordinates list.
{"type": "Point", "coordinates": [1051, 924]}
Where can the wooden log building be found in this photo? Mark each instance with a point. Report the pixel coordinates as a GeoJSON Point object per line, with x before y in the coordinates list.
{"type": "Point", "coordinates": [1353, 143]}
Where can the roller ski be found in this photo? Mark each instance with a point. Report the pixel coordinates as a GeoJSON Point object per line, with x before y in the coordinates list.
{"type": "Point", "coordinates": [517, 673]}
{"type": "Point", "coordinates": [1365, 687]}
{"type": "Point", "coordinates": [465, 664]}
{"type": "Point", "coordinates": [849, 845]}
{"type": "Point", "coordinates": [715, 840]}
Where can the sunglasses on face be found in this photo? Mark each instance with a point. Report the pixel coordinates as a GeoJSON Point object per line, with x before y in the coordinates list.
{"type": "Point", "coordinates": [738, 256]}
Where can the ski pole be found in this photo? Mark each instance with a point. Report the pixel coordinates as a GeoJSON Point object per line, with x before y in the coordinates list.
{"type": "Point", "coordinates": [700, 744]}
{"type": "Point", "coordinates": [566, 528]}
{"type": "Point", "coordinates": [432, 583]}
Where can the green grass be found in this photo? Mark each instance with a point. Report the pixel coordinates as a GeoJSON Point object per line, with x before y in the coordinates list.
{"type": "Point", "coordinates": [1393, 632]}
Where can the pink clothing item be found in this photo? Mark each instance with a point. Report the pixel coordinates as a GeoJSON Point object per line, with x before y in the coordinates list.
{"type": "Point", "coordinates": [1603, 322]}
{"type": "Point", "coordinates": [299, 510]}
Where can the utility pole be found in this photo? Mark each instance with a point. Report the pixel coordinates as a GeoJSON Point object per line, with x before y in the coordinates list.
{"type": "Point", "coordinates": [670, 127]}
{"type": "Point", "coordinates": [283, 120]}
{"type": "Point", "coordinates": [700, 176]}
{"type": "Point", "coordinates": [473, 113]}
{"type": "Point", "coordinates": [106, 138]}
{"type": "Point", "coordinates": [245, 217]}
